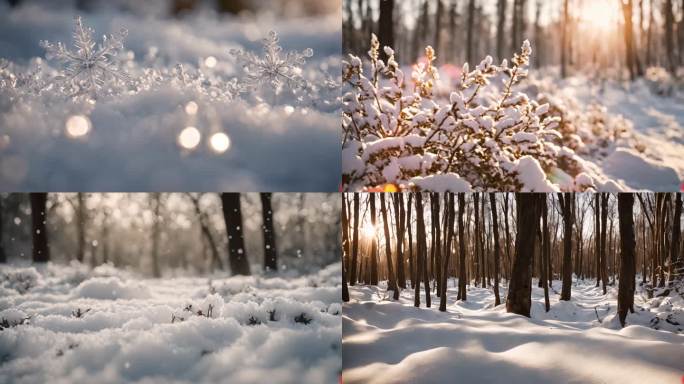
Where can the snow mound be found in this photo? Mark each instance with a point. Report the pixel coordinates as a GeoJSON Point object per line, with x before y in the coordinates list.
{"type": "Point", "coordinates": [639, 172]}
{"type": "Point", "coordinates": [110, 288]}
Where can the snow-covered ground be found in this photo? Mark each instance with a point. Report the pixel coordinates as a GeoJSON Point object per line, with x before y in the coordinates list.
{"type": "Point", "coordinates": [655, 124]}
{"type": "Point", "coordinates": [109, 326]}
{"type": "Point", "coordinates": [183, 74]}
{"type": "Point", "coordinates": [575, 342]}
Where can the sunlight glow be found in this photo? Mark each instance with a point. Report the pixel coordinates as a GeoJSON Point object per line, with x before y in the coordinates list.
{"type": "Point", "coordinates": [220, 142]}
{"type": "Point", "coordinates": [368, 230]}
{"type": "Point", "coordinates": [189, 138]}
{"type": "Point", "coordinates": [601, 14]}
{"type": "Point", "coordinates": [78, 126]}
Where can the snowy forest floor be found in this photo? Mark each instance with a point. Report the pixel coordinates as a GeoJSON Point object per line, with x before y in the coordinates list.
{"type": "Point", "coordinates": [107, 326]}
{"type": "Point", "coordinates": [393, 342]}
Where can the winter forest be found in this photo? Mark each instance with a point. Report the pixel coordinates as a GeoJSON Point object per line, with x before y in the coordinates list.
{"type": "Point", "coordinates": [513, 95]}
{"type": "Point", "coordinates": [515, 288]}
{"type": "Point", "coordinates": [187, 287]}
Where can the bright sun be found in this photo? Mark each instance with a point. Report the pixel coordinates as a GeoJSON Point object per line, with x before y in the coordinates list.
{"type": "Point", "coordinates": [600, 14]}
{"type": "Point", "coordinates": [368, 230]}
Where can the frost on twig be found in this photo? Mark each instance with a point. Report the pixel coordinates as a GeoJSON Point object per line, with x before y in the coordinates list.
{"type": "Point", "coordinates": [89, 66]}
{"type": "Point", "coordinates": [273, 68]}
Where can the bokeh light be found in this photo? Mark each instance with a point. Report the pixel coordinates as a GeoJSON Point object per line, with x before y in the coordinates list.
{"type": "Point", "coordinates": [78, 126]}
{"type": "Point", "coordinates": [210, 62]}
{"type": "Point", "coordinates": [191, 108]}
{"type": "Point", "coordinates": [189, 138]}
{"type": "Point", "coordinates": [220, 142]}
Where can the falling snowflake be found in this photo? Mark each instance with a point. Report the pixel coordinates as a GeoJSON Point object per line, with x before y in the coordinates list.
{"type": "Point", "coordinates": [273, 68]}
{"type": "Point", "coordinates": [90, 65]}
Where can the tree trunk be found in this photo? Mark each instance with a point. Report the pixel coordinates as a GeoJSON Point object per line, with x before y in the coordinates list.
{"type": "Point", "coordinates": [675, 256]}
{"type": "Point", "coordinates": [391, 283]}
{"type": "Point", "coordinates": [501, 29]}
{"type": "Point", "coordinates": [497, 251]}
{"type": "Point", "coordinates": [374, 278]}
{"type": "Point", "coordinates": [461, 249]}
{"type": "Point", "coordinates": [520, 287]}
{"type": "Point", "coordinates": [450, 213]}
{"type": "Point", "coordinates": [232, 215]}
{"type": "Point", "coordinates": [597, 236]}
{"type": "Point", "coordinates": [270, 250]}
{"type": "Point", "coordinates": [400, 218]}
{"type": "Point", "coordinates": [80, 226]}
{"type": "Point", "coordinates": [470, 39]}
{"type": "Point", "coordinates": [386, 26]}
{"type": "Point", "coordinates": [411, 258]}
{"type": "Point", "coordinates": [438, 27]}
{"type": "Point", "coordinates": [669, 36]}
{"type": "Point", "coordinates": [345, 248]}
{"type": "Point", "coordinates": [564, 39]}
{"type": "Point", "coordinates": [627, 245]}
{"type": "Point", "coordinates": [567, 202]}
{"type": "Point", "coordinates": [604, 227]}
{"type": "Point", "coordinates": [156, 225]}
{"type": "Point", "coordinates": [3, 255]}
{"type": "Point", "coordinates": [41, 249]}
{"type": "Point", "coordinates": [546, 252]}
{"type": "Point", "coordinates": [355, 243]}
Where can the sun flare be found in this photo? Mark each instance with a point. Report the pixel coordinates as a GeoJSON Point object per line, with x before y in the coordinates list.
{"type": "Point", "coordinates": [600, 14]}
{"type": "Point", "coordinates": [368, 230]}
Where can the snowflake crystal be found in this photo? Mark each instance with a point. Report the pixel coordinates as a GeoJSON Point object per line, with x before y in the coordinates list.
{"type": "Point", "coordinates": [273, 68]}
{"type": "Point", "coordinates": [89, 66]}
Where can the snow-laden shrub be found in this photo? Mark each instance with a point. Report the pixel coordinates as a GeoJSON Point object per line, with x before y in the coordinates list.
{"type": "Point", "coordinates": [486, 136]}
{"type": "Point", "coordinates": [21, 280]}
{"type": "Point", "coordinates": [659, 81]}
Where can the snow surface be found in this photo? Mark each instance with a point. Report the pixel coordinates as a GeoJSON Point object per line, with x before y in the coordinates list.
{"type": "Point", "coordinates": [658, 125]}
{"type": "Point", "coordinates": [394, 342]}
{"type": "Point", "coordinates": [285, 142]}
{"type": "Point", "coordinates": [259, 329]}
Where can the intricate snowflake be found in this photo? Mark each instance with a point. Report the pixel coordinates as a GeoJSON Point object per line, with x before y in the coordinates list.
{"type": "Point", "coordinates": [273, 68]}
{"type": "Point", "coordinates": [90, 65]}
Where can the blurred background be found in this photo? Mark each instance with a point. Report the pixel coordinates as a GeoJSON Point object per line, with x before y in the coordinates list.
{"type": "Point", "coordinates": [161, 234]}
{"type": "Point", "coordinates": [570, 34]}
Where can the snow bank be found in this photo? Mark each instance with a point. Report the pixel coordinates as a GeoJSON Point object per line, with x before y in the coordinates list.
{"type": "Point", "coordinates": [639, 172]}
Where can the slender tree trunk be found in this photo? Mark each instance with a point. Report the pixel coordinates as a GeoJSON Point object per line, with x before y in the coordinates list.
{"type": "Point", "coordinates": [374, 273]}
{"type": "Point", "coordinates": [546, 252]}
{"type": "Point", "coordinates": [355, 243]}
{"type": "Point", "coordinates": [232, 215]}
{"type": "Point", "coordinates": [497, 251]}
{"type": "Point", "coordinates": [411, 258]}
{"type": "Point", "coordinates": [438, 27]}
{"type": "Point", "coordinates": [470, 39]}
{"type": "Point", "coordinates": [567, 202]}
{"type": "Point", "coordinates": [156, 229]}
{"type": "Point", "coordinates": [604, 227]}
{"type": "Point", "coordinates": [450, 213]}
{"type": "Point", "coordinates": [675, 261]}
{"type": "Point", "coordinates": [270, 250]}
{"type": "Point", "coordinates": [80, 226]}
{"type": "Point", "coordinates": [520, 287]}
{"type": "Point", "coordinates": [400, 217]}
{"type": "Point", "coordinates": [422, 236]}
{"type": "Point", "coordinates": [669, 36]}
{"type": "Point", "coordinates": [420, 229]}
{"type": "Point", "coordinates": [41, 249]}
{"type": "Point", "coordinates": [3, 255]}
{"type": "Point", "coordinates": [564, 39]}
{"type": "Point", "coordinates": [386, 26]}
{"type": "Point", "coordinates": [627, 245]}
{"type": "Point", "coordinates": [501, 29]}
{"type": "Point", "coordinates": [391, 283]}
{"type": "Point", "coordinates": [345, 248]}
{"type": "Point", "coordinates": [461, 249]}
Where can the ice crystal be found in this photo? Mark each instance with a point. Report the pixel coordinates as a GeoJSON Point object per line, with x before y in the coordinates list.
{"type": "Point", "coordinates": [273, 68]}
{"type": "Point", "coordinates": [90, 65]}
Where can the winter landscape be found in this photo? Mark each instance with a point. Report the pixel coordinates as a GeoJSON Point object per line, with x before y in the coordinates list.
{"type": "Point", "coordinates": [153, 288]}
{"type": "Point", "coordinates": [169, 95]}
{"type": "Point", "coordinates": [565, 95]}
{"type": "Point", "coordinates": [513, 288]}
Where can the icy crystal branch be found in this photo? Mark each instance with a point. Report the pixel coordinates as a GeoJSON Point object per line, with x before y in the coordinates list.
{"type": "Point", "coordinates": [272, 68]}
{"type": "Point", "coordinates": [89, 65]}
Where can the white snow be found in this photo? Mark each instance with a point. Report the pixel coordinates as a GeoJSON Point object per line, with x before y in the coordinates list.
{"type": "Point", "coordinates": [259, 329]}
{"type": "Point", "coordinates": [393, 342]}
